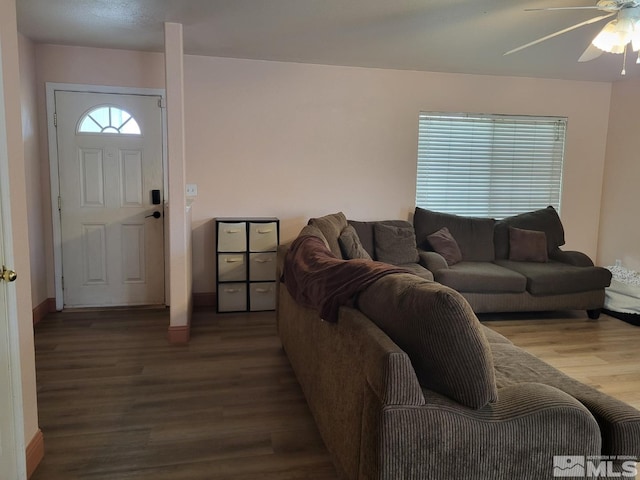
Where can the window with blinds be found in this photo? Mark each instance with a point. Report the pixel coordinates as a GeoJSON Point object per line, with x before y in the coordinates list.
{"type": "Point", "coordinates": [489, 165]}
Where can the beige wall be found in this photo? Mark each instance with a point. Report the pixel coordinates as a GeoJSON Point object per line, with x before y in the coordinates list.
{"type": "Point", "coordinates": [36, 170]}
{"type": "Point", "coordinates": [297, 140]}
{"type": "Point", "coordinates": [619, 227]}
{"type": "Point", "coordinates": [19, 210]}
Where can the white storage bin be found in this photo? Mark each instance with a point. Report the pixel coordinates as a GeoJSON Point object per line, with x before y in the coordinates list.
{"type": "Point", "coordinates": [232, 297]}
{"type": "Point", "coordinates": [263, 237]}
{"type": "Point", "coordinates": [262, 267]}
{"type": "Point", "coordinates": [232, 267]}
{"type": "Point", "coordinates": [246, 251]}
{"type": "Point", "coordinates": [232, 237]}
{"type": "Point", "coordinates": [262, 296]}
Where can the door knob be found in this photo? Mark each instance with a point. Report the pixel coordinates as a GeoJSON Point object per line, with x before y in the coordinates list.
{"type": "Point", "coordinates": [154, 215]}
{"type": "Point", "coordinates": [8, 275]}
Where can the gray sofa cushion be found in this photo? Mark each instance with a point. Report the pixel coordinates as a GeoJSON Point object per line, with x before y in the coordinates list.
{"type": "Point", "coordinates": [351, 246]}
{"type": "Point", "coordinates": [365, 232]}
{"type": "Point", "coordinates": [545, 220]}
{"type": "Point", "coordinates": [494, 337]}
{"type": "Point", "coordinates": [331, 227]}
{"type": "Point", "coordinates": [395, 245]}
{"type": "Point", "coordinates": [618, 421]}
{"type": "Point", "coordinates": [314, 232]}
{"type": "Point", "coordinates": [436, 327]}
{"type": "Point", "coordinates": [418, 270]}
{"type": "Point", "coordinates": [473, 235]}
{"type": "Point", "coordinates": [481, 277]}
{"type": "Point", "coordinates": [554, 278]}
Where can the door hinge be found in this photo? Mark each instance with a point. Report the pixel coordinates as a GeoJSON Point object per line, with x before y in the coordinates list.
{"type": "Point", "coordinates": [62, 281]}
{"type": "Point", "coordinates": [55, 119]}
{"type": "Point", "coordinates": [161, 103]}
{"type": "Point", "coordinates": [59, 203]}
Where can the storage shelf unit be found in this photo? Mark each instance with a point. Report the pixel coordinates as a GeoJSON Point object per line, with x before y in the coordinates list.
{"type": "Point", "coordinates": [246, 251]}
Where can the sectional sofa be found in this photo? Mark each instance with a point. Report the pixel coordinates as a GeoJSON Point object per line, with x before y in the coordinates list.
{"type": "Point", "coordinates": [406, 383]}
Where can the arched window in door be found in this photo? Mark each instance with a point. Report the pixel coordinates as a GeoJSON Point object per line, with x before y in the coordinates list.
{"type": "Point", "coordinates": [108, 119]}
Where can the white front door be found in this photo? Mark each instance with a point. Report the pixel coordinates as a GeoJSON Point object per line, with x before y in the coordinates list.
{"type": "Point", "coordinates": [111, 185]}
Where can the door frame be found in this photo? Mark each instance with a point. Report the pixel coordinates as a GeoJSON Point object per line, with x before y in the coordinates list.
{"type": "Point", "coordinates": [51, 88]}
{"type": "Point", "coordinates": [13, 440]}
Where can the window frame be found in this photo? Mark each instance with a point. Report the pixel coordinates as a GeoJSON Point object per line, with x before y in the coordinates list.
{"type": "Point", "coordinates": [88, 115]}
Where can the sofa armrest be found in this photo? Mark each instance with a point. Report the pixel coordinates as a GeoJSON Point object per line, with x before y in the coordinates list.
{"type": "Point", "coordinates": [578, 259]}
{"type": "Point", "coordinates": [432, 261]}
{"type": "Point", "coordinates": [515, 437]}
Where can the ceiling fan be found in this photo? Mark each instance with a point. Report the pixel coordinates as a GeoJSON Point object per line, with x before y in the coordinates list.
{"type": "Point", "coordinates": [613, 38]}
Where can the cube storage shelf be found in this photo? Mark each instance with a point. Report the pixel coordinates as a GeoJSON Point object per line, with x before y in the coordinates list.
{"type": "Point", "coordinates": [246, 249]}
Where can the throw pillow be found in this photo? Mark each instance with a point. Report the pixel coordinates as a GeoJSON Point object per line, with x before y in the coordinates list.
{"type": "Point", "coordinates": [443, 243]}
{"type": "Point", "coordinates": [544, 220]}
{"type": "Point", "coordinates": [438, 330]}
{"type": "Point", "coordinates": [350, 244]}
{"type": "Point", "coordinates": [527, 245]}
{"type": "Point", "coordinates": [395, 245]}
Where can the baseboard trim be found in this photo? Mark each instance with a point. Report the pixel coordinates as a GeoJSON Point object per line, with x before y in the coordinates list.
{"type": "Point", "coordinates": [208, 299]}
{"type": "Point", "coordinates": [35, 452]}
{"type": "Point", "coordinates": [41, 311]}
{"type": "Point", "coordinates": [179, 335]}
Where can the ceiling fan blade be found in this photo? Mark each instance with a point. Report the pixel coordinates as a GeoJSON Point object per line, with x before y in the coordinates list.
{"type": "Point", "coordinates": [591, 53]}
{"type": "Point", "coordinates": [560, 32]}
{"type": "Point", "coordinates": [591, 7]}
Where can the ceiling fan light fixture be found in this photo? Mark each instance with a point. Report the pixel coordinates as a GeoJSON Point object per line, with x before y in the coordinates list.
{"type": "Point", "coordinates": [635, 38]}
{"type": "Point", "coordinates": [613, 37]}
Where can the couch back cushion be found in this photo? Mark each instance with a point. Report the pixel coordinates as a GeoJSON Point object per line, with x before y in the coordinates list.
{"type": "Point", "coordinates": [331, 227]}
{"type": "Point", "coordinates": [437, 328]}
{"type": "Point", "coordinates": [366, 235]}
{"type": "Point", "coordinates": [474, 236]}
{"type": "Point", "coordinates": [544, 220]}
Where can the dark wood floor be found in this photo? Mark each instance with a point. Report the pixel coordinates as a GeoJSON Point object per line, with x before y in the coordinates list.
{"type": "Point", "coordinates": [117, 402]}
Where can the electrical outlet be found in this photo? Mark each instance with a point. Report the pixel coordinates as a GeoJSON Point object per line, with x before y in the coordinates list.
{"type": "Point", "coordinates": [192, 190]}
{"type": "Point", "coordinates": [618, 262]}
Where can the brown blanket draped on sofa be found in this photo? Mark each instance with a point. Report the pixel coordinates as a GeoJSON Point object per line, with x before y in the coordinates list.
{"type": "Point", "coordinates": [316, 278]}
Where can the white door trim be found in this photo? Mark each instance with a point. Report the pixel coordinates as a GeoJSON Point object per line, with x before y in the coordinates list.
{"type": "Point", "coordinates": [51, 88]}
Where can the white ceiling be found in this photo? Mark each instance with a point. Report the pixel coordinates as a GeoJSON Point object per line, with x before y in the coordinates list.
{"type": "Point", "coordinates": [461, 36]}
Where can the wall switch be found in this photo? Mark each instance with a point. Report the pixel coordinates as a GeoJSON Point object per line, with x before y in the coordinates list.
{"type": "Point", "coordinates": [192, 190]}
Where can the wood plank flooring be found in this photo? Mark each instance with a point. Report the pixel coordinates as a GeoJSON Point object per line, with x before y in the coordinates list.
{"type": "Point", "coordinates": [116, 401]}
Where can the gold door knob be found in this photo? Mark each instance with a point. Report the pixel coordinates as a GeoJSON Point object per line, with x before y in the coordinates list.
{"type": "Point", "coordinates": [8, 275]}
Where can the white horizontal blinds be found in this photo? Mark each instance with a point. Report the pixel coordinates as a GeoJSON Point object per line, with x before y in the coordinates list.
{"type": "Point", "coordinates": [489, 165]}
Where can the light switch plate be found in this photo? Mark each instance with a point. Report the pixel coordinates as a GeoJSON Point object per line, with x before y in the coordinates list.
{"type": "Point", "coordinates": [192, 190]}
